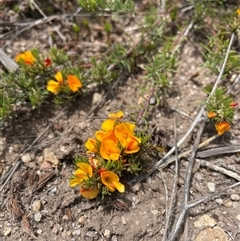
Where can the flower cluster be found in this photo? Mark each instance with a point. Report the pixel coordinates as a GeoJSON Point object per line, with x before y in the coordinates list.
{"type": "Point", "coordinates": [220, 109]}
{"type": "Point", "coordinates": [32, 59]}
{"type": "Point", "coordinates": [113, 150]}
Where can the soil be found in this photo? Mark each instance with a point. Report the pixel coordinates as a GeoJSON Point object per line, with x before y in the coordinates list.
{"type": "Point", "coordinates": [37, 202]}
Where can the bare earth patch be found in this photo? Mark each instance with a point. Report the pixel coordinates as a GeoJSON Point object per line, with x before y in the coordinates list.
{"type": "Point", "coordinates": [37, 202]}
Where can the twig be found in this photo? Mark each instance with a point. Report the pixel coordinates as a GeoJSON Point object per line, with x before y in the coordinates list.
{"type": "Point", "coordinates": [183, 214]}
{"type": "Point", "coordinates": [173, 194]}
{"type": "Point", "coordinates": [7, 62]}
{"type": "Point", "coordinates": [17, 163]}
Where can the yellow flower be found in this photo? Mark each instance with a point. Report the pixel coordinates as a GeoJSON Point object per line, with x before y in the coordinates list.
{"type": "Point", "coordinates": [89, 193]}
{"type": "Point", "coordinates": [27, 57]}
{"type": "Point", "coordinates": [117, 115]}
{"type": "Point", "coordinates": [108, 125]}
{"type": "Point", "coordinates": [123, 131]}
{"type": "Point", "coordinates": [222, 127]}
{"type": "Point", "coordinates": [55, 85]}
{"type": "Point", "coordinates": [74, 83]}
{"type": "Point", "coordinates": [109, 150]}
{"type": "Point", "coordinates": [111, 181]}
{"type": "Point", "coordinates": [238, 12]}
{"type": "Point", "coordinates": [132, 145]}
{"type": "Point", "coordinates": [82, 173]}
{"type": "Point", "coordinates": [91, 145]}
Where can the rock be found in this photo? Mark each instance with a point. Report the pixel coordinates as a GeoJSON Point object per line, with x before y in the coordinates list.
{"type": "Point", "coordinates": [36, 206]}
{"type": "Point", "coordinates": [96, 98]}
{"type": "Point", "coordinates": [235, 197]}
{"type": "Point", "coordinates": [211, 186]}
{"type": "Point", "coordinates": [124, 220]}
{"type": "Point", "coordinates": [136, 187]}
{"type": "Point", "coordinates": [38, 217]}
{"type": "Point", "coordinates": [211, 234]}
{"type": "Point", "coordinates": [26, 158]}
{"type": "Point", "coordinates": [205, 221]}
{"type": "Point", "coordinates": [107, 233]}
{"type": "Point", "coordinates": [228, 204]}
{"type": "Point", "coordinates": [114, 238]}
{"type": "Point", "coordinates": [219, 201]}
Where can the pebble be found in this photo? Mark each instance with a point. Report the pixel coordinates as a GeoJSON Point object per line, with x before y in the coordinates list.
{"type": "Point", "coordinates": [82, 219]}
{"type": "Point", "coordinates": [228, 204]}
{"type": "Point", "coordinates": [26, 158]}
{"type": "Point", "coordinates": [235, 197]}
{"type": "Point", "coordinates": [114, 238]}
{"type": "Point", "coordinates": [211, 186]}
{"type": "Point", "coordinates": [78, 232]}
{"type": "Point", "coordinates": [124, 220]}
{"type": "Point", "coordinates": [107, 233]}
{"type": "Point", "coordinates": [219, 201]}
{"type": "Point", "coordinates": [238, 217]}
{"type": "Point", "coordinates": [96, 98]}
{"type": "Point", "coordinates": [36, 206]}
{"type": "Point", "coordinates": [210, 234]}
{"type": "Point", "coordinates": [37, 217]}
{"type": "Point", "coordinates": [205, 221]}
{"type": "Point", "coordinates": [136, 187]}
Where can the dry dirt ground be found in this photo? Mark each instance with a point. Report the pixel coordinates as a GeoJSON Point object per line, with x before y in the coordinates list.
{"type": "Point", "coordinates": [37, 202]}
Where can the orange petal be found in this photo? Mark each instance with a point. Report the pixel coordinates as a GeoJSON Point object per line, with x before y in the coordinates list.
{"type": "Point", "coordinates": [74, 83]}
{"type": "Point", "coordinates": [222, 127]}
{"type": "Point", "coordinates": [211, 114]}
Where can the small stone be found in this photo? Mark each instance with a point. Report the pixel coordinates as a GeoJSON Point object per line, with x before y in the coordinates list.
{"type": "Point", "coordinates": [38, 217]}
{"type": "Point", "coordinates": [228, 204]}
{"type": "Point", "coordinates": [238, 217]}
{"type": "Point", "coordinates": [205, 221]}
{"type": "Point", "coordinates": [82, 219]}
{"type": "Point", "coordinates": [39, 231]}
{"type": "Point", "coordinates": [78, 232]}
{"type": "Point", "coordinates": [65, 217]}
{"type": "Point", "coordinates": [26, 158]}
{"type": "Point", "coordinates": [136, 187]}
{"type": "Point", "coordinates": [124, 220]}
{"type": "Point", "coordinates": [219, 201]}
{"type": "Point", "coordinates": [107, 233]}
{"type": "Point", "coordinates": [36, 206]}
{"type": "Point", "coordinates": [211, 186]}
{"type": "Point", "coordinates": [7, 231]}
{"type": "Point", "coordinates": [96, 98]}
{"type": "Point", "coordinates": [114, 238]}
{"type": "Point", "coordinates": [210, 234]}
{"type": "Point", "coordinates": [235, 197]}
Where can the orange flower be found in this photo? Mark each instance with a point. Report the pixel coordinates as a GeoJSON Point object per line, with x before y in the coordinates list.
{"type": "Point", "coordinates": [109, 150]}
{"type": "Point", "coordinates": [211, 114]}
{"type": "Point", "coordinates": [132, 145]}
{"type": "Point", "coordinates": [74, 83]}
{"type": "Point", "coordinates": [111, 181]}
{"type": "Point", "coordinates": [91, 145]}
{"type": "Point", "coordinates": [89, 193]}
{"type": "Point", "coordinates": [222, 127]}
{"type": "Point", "coordinates": [55, 85]}
{"type": "Point", "coordinates": [82, 173]}
{"type": "Point", "coordinates": [123, 131]}
{"type": "Point", "coordinates": [27, 57]}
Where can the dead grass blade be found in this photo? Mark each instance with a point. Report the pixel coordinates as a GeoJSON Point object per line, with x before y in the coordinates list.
{"type": "Point", "coordinates": [27, 227]}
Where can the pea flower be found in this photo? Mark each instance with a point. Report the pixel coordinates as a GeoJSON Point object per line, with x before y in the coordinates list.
{"type": "Point", "coordinates": [233, 104]}
{"type": "Point", "coordinates": [91, 145]}
{"type": "Point", "coordinates": [132, 145]}
{"type": "Point", "coordinates": [123, 131]}
{"type": "Point", "coordinates": [109, 150]}
{"type": "Point", "coordinates": [111, 181]}
{"type": "Point", "coordinates": [55, 85]}
{"type": "Point", "coordinates": [74, 83]}
{"type": "Point", "coordinates": [211, 114]}
{"type": "Point", "coordinates": [117, 115]}
{"type": "Point", "coordinates": [27, 57]}
{"type": "Point", "coordinates": [89, 193]}
{"type": "Point", "coordinates": [82, 173]}
{"type": "Point", "coordinates": [222, 127]}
